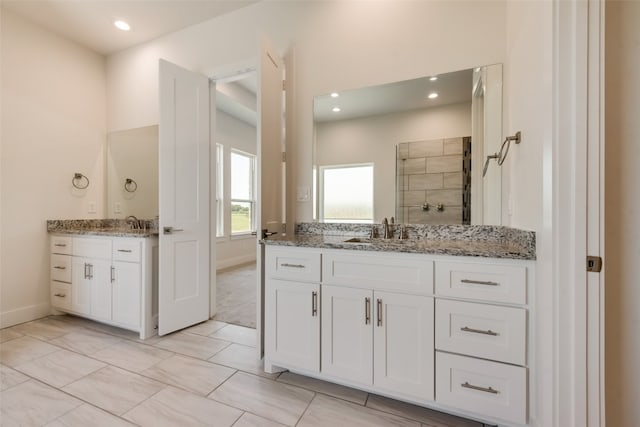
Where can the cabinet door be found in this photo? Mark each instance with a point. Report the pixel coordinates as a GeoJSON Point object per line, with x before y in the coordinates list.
{"type": "Point", "coordinates": [347, 333]}
{"type": "Point", "coordinates": [404, 345]}
{"type": "Point", "coordinates": [80, 286]}
{"type": "Point", "coordinates": [100, 282]}
{"type": "Point", "coordinates": [292, 324]}
{"type": "Point", "coordinates": [126, 293]}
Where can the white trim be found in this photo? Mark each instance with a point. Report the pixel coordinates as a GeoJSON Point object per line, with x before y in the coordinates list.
{"type": "Point", "coordinates": [238, 260]}
{"type": "Point", "coordinates": [24, 314]}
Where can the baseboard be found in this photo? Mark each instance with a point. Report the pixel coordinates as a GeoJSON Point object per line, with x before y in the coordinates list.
{"type": "Point", "coordinates": [24, 314]}
{"type": "Point", "coordinates": [232, 262]}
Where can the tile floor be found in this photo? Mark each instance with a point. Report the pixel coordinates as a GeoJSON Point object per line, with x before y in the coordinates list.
{"type": "Point", "coordinates": [236, 299]}
{"type": "Point", "coordinates": [67, 371]}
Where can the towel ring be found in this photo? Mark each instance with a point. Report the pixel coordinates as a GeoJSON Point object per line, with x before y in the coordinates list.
{"type": "Point", "coordinates": [130, 185]}
{"type": "Point", "coordinates": [78, 179]}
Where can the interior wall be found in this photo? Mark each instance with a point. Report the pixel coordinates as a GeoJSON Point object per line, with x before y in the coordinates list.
{"type": "Point", "coordinates": [368, 43]}
{"type": "Point", "coordinates": [527, 172]}
{"type": "Point", "coordinates": [622, 210]}
{"type": "Point", "coordinates": [233, 133]}
{"type": "Point", "coordinates": [53, 125]}
{"type": "Point", "coordinates": [374, 139]}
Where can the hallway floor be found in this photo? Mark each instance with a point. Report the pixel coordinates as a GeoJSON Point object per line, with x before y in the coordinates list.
{"type": "Point", "coordinates": [68, 371]}
{"type": "Point", "coordinates": [236, 295]}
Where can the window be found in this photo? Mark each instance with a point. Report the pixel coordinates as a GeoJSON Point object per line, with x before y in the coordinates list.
{"type": "Point", "coordinates": [242, 192]}
{"type": "Point", "coordinates": [219, 191]}
{"type": "Point", "coordinates": [346, 193]}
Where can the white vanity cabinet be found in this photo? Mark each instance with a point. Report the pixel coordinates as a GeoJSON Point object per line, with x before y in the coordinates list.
{"type": "Point", "coordinates": [448, 332]}
{"type": "Point", "coordinates": [110, 280]}
{"type": "Point", "coordinates": [292, 309]}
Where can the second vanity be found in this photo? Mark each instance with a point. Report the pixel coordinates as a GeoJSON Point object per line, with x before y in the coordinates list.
{"type": "Point", "coordinates": [106, 274]}
{"type": "Point", "coordinates": [440, 322]}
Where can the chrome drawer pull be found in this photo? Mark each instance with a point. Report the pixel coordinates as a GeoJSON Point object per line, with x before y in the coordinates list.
{"type": "Point", "coordinates": [475, 387]}
{"type": "Point", "coordinates": [293, 265]}
{"type": "Point", "coordinates": [60, 245]}
{"type": "Point", "coordinates": [124, 250]}
{"type": "Point", "coordinates": [314, 304]}
{"type": "Point", "coordinates": [113, 274]}
{"type": "Point", "coordinates": [60, 267]}
{"type": "Point", "coordinates": [367, 311]}
{"type": "Point", "coordinates": [479, 331]}
{"type": "Point", "coordinates": [480, 282]}
{"type": "Point", "coordinates": [60, 295]}
{"type": "Point", "coordinates": [379, 309]}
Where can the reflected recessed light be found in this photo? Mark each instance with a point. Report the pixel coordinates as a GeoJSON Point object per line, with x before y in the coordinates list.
{"type": "Point", "coordinates": [433, 79]}
{"type": "Point", "coordinates": [433, 95]}
{"type": "Point", "coordinates": [336, 109]}
{"type": "Point", "coordinates": [335, 95]}
{"type": "Point", "coordinates": [121, 25]}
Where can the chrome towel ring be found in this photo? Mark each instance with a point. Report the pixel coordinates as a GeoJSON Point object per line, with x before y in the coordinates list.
{"type": "Point", "coordinates": [502, 154]}
{"type": "Point", "coordinates": [78, 179]}
{"type": "Point", "coordinates": [130, 185]}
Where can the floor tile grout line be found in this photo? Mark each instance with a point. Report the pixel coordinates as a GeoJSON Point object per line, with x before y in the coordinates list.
{"type": "Point", "coordinates": [315, 394]}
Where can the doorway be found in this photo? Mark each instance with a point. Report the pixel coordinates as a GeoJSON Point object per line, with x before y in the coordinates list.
{"type": "Point", "coordinates": [236, 199]}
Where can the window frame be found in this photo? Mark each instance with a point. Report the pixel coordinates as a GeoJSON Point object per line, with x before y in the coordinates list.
{"type": "Point", "coordinates": [321, 189]}
{"type": "Point", "coordinates": [252, 201]}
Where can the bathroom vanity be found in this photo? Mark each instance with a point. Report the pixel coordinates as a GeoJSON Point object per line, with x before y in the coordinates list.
{"type": "Point", "coordinates": [440, 322]}
{"type": "Point", "coordinates": [107, 274]}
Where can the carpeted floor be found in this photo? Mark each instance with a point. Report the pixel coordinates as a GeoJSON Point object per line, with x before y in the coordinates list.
{"type": "Point", "coordinates": [236, 295]}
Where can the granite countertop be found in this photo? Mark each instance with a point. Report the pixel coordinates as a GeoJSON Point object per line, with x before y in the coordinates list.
{"type": "Point", "coordinates": [104, 227]}
{"type": "Point", "coordinates": [474, 241]}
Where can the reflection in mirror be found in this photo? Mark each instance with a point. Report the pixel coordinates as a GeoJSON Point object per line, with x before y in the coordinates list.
{"type": "Point", "coordinates": [132, 173]}
{"type": "Point", "coordinates": [443, 140]}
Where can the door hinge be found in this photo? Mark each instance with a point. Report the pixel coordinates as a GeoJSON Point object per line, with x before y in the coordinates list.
{"type": "Point", "coordinates": [284, 87]}
{"type": "Point", "coordinates": [284, 157]}
{"type": "Point", "coordinates": [594, 264]}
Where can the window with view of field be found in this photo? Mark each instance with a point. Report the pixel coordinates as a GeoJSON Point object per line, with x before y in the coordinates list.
{"type": "Point", "coordinates": [346, 193]}
{"type": "Point", "coordinates": [242, 195]}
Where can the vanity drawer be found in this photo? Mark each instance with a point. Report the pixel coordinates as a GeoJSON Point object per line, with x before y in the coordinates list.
{"type": "Point", "coordinates": [293, 264]}
{"type": "Point", "coordinates": [61, 295]}
{"type": "Point", "coordinates": [61, 268]}
{"type": "Point", "coordinates": [92, 248]}
{"type": "Point", "coordinates": [486, 388]}
{"type": "Point", "coordinates": [482, 330]}
{"type": "Point", "coordinates": [61, 245]}
{"type": "Point", "coordinates": [126, 250]}
{"type": "Point", "coordinates": [488, 282]}
{"type": "Point", "coordinates": [393, 272]}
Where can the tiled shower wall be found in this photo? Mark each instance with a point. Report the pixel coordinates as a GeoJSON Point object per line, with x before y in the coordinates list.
{"type": "Point", "coordinates": [430, 172]}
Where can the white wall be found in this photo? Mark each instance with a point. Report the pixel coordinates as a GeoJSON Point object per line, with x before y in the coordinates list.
{"type": "Point", "coordinates": [622, 212]}
{"type": "Point", "coordinates": [526, 190]}
{"type": "Point", "coordinates": [331, 46]}
{"type": "Point", "coordinates": [233, 133]}
{"type": "Point", "coordinates": [53, 124]}
{"type": "Point", "coordinates": [374, 139]}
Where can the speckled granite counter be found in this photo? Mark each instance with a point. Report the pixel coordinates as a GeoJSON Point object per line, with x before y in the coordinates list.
{"type": "Point", "coordinates": [104, 227]}
{"type": "Point", "coordinates": [457, 240]}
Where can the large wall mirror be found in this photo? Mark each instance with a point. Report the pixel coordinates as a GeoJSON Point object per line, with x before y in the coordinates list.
{"type": "Point", "coordinates": [414, 150]}
{"type": "Point", "coordinates": [132, 173]}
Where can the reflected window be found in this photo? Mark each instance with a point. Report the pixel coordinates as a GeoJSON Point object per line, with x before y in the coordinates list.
{"type": "Point", "coordinates": [219, 191]}
{"type": "Point", "coordinates": [242, 192]}
{"type": "Point", "coordinates": [346, 193]}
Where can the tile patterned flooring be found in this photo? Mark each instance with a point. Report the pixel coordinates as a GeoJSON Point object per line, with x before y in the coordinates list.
{"type": "Point", "coordinates": [67, 371]}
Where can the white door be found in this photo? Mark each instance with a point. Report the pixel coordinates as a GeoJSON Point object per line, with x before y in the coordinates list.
{"type": "Point", "coordinates": [100, 278]}
{"type": "Point", "coordinates": [127, 287]}
{"type": "Point", "coordinates": [184, 198]}
{"type": "Point", "coordinates": [269, 212]}
{"type": "Point", "coordinates": [80, 286]}
{"type": "Point", "coordinates": [404, 344]}
{"type": "Point", "coordinates": [347, 333]}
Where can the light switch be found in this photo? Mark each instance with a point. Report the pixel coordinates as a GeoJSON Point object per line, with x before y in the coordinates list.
{"type": "Point", "coordinates": [117, 207]}
{"type": "Point", "coordinates": [303, 194]}
{"type": "Point", "coordinates": [92, 208]}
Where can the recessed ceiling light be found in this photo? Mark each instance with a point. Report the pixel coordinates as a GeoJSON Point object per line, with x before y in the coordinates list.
{"type": "Point", "coordinates": [336, 109]}
{"type": "Point", "coordinates": [433, 95]}
{"type": "Point", "coordinates": [335, 95]}
{"type": "Point", "coordinates": [433, 78]}
{"type": "Point", "coordinates": [121, 25]}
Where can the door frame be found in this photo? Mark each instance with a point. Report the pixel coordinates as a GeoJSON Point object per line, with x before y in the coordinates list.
{"type": "Point", "coordinates": [573, 220]}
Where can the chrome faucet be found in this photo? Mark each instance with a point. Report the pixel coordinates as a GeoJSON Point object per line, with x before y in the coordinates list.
{"type": "Point", "coordinates": [133, 222]}
{"type": "Point", "coordinates": [387, 229]}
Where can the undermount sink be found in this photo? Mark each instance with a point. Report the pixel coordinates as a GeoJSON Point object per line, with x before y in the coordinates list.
{"type": "Point", "coordinates": [361, 240]}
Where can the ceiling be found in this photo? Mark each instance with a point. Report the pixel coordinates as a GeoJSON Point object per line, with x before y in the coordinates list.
{"type": "Point", "coordinates": [452, 88]}
{"type": "Point", "coordinates": [90, 22]}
